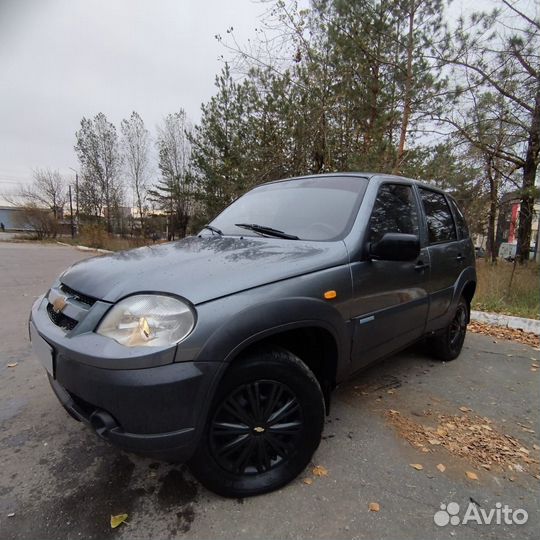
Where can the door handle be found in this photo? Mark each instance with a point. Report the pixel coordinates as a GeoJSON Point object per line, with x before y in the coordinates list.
{"type": "Point", "coordinates": [460, 258]}
{"type": "Point", "coordinates": [419, 266]}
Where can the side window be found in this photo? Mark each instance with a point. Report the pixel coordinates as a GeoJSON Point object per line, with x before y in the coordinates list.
{"type": "Point", "coordinates": [461, 224]}
{"type": "Point", "coordinates": [439, 217]}
{"type": "Point", "coordinates": [394, 211]}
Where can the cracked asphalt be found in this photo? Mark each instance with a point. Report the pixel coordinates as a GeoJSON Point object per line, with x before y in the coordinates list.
{"type": "Point", "coordinates": [58, 480]}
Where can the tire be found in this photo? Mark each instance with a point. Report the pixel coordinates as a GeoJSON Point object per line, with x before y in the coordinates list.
{"type": "Point", "coordinates": [448, 343]}
{"type": "Point", "coordinates": [263, 427]}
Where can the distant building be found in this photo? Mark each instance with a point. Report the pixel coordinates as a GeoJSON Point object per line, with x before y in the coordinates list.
{"type": "Point", "coordinates": [508, 220]}
{"type": "Point", "coordinates": [10, 217]}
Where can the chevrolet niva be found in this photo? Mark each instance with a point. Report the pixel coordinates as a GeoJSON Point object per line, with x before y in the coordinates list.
{"type": "Point", "coordinates": [222, 349]}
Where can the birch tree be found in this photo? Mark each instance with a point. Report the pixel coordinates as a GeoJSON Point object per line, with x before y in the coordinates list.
{"type": "Point", "coordinates": [136, 147]}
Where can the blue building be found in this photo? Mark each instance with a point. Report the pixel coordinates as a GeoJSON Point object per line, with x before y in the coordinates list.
{"type": "Point", "coordinates": [9, 217]}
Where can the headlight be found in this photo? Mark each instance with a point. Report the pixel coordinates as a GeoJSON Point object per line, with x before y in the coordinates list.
{"type": "Point", "coordinates": [148, 320]}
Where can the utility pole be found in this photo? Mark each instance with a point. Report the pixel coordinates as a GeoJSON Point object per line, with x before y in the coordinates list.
{"type": "Point", "coordinates": [77, 199]}
{"type": "Point", "coordinates": [71, 213]}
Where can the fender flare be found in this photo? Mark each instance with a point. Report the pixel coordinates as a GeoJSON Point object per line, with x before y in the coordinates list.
{"type": "Point", "coordinates": [467, 276]}
{"type": "Point", "coordinates": [269, 318]}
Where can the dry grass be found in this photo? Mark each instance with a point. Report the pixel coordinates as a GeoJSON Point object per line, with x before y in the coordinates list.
{"type": "Point", "coordinates": [96, 237]}
{"type": "Point", "coordinates": [493, 293]}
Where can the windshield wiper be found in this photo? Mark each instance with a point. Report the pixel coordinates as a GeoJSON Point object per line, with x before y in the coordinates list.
{"type": "Point", "coordinates": [213, 229]}
{"type": "Point", "coordinates": [267, 230]}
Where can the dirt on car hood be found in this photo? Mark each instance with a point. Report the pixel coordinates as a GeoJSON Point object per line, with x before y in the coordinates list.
{"type": "Point", "coordinates": [201, 268]}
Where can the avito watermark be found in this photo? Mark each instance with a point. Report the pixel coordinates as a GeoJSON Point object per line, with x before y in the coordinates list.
{"type": "Point", "coordinates": [449, 514]}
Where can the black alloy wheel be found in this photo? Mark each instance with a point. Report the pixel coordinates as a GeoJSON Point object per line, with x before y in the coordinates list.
{"type": "Point", "coordinates": [458, 327]}
{"type": "Point", "coordinates": [255, 427]}
{"type": "Point", "coordinates": [447, 344]}
{"type": "Point", "coordinates": [264, 424]}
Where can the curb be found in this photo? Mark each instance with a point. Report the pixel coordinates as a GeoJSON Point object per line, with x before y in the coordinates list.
{"type": "Point", "coordinates": [508, 321]}
{"type": "Point", "coordinates": [86, 248]}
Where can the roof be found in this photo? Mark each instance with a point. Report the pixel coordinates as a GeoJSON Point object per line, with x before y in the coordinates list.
{"type": "Point", "coordinates": [366, 175]}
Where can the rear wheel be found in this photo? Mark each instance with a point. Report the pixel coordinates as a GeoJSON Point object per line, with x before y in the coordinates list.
{"type": "Point", "coordinates": [448, 344]}
{"type": "Point", "coordinates": [264, 425]}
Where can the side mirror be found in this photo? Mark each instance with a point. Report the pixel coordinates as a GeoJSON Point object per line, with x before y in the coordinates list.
{"type": "Point", "coordinates": [395, 247]}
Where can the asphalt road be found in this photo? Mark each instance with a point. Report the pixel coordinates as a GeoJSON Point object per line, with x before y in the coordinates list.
{"type": "Point", "coordinates": [60, 481]}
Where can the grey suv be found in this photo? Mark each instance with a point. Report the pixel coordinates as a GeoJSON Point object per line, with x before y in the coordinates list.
{"type": "Point", "coordinates": [222, 349]}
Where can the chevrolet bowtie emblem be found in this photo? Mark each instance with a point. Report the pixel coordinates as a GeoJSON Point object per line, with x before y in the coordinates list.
{"type": "Point", "coordinates": [59, 304]}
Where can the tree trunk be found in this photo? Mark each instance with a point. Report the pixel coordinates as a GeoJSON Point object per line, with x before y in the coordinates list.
{"type": "Point", "coordinates": [528, 187]}
{"type": "Point", "coordinates": [407, 98]}
{"type": "Point", "coordinates": [492, 213]}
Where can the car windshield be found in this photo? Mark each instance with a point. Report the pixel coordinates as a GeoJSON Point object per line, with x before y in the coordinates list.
{"type": "Point", "coordinates": [316, 208]}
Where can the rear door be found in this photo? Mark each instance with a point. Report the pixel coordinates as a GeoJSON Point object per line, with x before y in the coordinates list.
{"type": "Point", "coordinates": [446, 253]}
{"type": "Point", "coordinates": [464, 238]}
{"type": "Point", "coordinates": [390, 299]}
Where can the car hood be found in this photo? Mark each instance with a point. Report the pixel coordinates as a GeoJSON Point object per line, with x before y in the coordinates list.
{"type": "Point", "coordinates": [201, 268]}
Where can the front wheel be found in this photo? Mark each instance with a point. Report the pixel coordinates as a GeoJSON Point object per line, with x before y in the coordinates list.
{"type": "Point", "coordinates": [448, 344]}
{"type": "Point", "coordinates": [264, 425]}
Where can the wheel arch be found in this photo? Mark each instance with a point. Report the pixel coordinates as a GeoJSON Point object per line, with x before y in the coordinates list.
{"type": "Point", "coordinates": [312, 329]}
{"type": "Point", "coordinates": [467, 291]}
{"type": "Point", "coordinates": [313, 343]}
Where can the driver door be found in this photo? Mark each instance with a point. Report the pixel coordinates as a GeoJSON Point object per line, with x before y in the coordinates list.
{"type": "Point", "coordinates": [390, 298]}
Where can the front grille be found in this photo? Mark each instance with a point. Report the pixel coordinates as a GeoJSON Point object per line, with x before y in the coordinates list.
{"type": "Point", "coordinates": [61, 320]}
{"type": "Point", "coordinates": [85, 299]}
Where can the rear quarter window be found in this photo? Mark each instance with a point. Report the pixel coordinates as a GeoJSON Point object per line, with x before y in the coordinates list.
{"type": "Point", "coordinates": [441, 227]}
{"type": "Point", "coordinates": [461, 223]}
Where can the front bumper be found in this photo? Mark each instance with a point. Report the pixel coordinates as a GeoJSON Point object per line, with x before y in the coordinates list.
{"type": "Point", "coordinates": [158, 410]}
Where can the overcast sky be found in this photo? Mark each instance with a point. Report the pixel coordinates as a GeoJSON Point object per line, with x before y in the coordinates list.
{"type": "Point", "coordinates": [61, 60]}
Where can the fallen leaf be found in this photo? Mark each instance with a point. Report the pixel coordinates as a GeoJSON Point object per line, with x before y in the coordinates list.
{"type": "Point", "coordinates": [442, 432]}
{"type": "Point", "coordinates": [441, 467]}
{"type": "Point", "coordinates": [425, 450]}
{"type": "Point", "coordinates": [389, 391]}
{"type": "Point", "coordinates": [532, 369]}
{"type": "Point", "coordinates": [536, 447]}
{"type": "Point", "coordinates": [434, 441]}
{"type": "Point", "coordinates": [471, 475]}
{"type": "Point", "coordinates": [319, 470]}
{"type": "Point", "coordinates": [465, 409]}
{"type": "Point", "coordinates": [374, 507]}
{"type": "Point", "coordinates": [535, 365]}
{"type": "Point", "coordinates": [416, 466]}
{"type": "Point", "coordinates": [524, 451]}
{"type": "Point", "coordinates": [12, 364]}
{"type": "Point", "coordinates": [118, 520]}
{"type": "Point", "coordinates": [11, 514]}
{"type": "Point", "coordinates": [393, 411]}
{"type": "Point", "coordinates": [528, 430]}
{"type": "Point", "coordinates": [307, 481]}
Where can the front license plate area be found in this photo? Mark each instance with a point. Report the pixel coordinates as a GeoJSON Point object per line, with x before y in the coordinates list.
{"type": "Point", "coordinates": [42, 350]}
